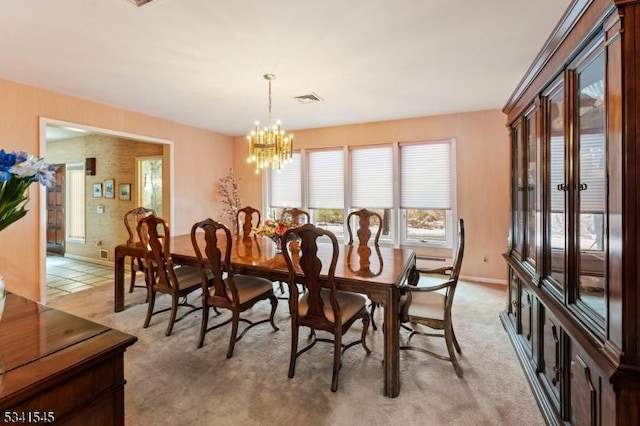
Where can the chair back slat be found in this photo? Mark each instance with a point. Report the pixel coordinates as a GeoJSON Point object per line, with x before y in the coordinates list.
{"type": "Point", "coordinates": [212, 262]}
{"type": "Point", "coordinates": [131, 219]}
{"type": "Point", "coordinates": [295, 215]}
{"type": "Point", "coordinates": [245, 221]}
{"type": "Point", "coordinates": [306, 238]}
{"type": "Point", "coordinates": [365, 217]}
{"type": "Point", "coordinates": [154, 234]}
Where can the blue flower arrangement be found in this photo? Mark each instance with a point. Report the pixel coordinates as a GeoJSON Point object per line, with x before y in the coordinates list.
{"type": "Point", "coordinates": [18, 170]}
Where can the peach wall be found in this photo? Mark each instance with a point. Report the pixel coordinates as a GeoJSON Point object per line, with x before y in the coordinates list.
{"type": "Point", "coordinates": [195, 177]}
{"type": "Point", "coordinates": [482, 158]}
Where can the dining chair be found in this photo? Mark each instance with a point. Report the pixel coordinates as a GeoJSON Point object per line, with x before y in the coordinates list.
{"type": "Point", "coordinates": [365, 219]}
{"type": "Point", "coordinates": [321, 306]}
{"type": "Point", "coordinates": [431, 307]}
{"type": "Point", "coordinates": [165, 277]}
{"type": "Point", "coordinates": [298, 217]}
{"type": "Point", "coordinates": [295, 215]}
{"type": "Point", "coordinates": [138, 264]}
{"type": "Point", "coordinates": [223, 289]}
{"type": "Point", "coordinates": [245, 220]}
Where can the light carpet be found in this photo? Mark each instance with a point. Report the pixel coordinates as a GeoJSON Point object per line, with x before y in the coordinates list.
{"type": "Point", "coordinates": [171, 382]}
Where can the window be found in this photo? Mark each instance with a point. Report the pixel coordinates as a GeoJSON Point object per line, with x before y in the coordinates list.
{"type": "Point", "coordinates": [326, 189]}
{"type": "Point", "coordinates": [426, 193]}
{"type": "Point", "coordinates": [410, 185]}
{"type": "Point", "coordinates": [372, 184]}
{"type": "Point", "coordinates": [75, 201]}
{"type": "Point", "coordinates": [285, 190]}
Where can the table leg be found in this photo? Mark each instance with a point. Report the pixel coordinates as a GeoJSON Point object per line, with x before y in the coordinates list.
{"type": "Point", "coordinates": [119, 281]}
{"type": "Point", "coordinates": [392, 343]}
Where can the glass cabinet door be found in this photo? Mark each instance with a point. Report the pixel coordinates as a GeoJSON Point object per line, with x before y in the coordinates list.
{"type": "Point", "coordinates": [518, 186]}
{"type": "Point", "coordinates": [531, 192]}
{"type": "Point", "coordinates": [556, 188]}
{"type": "Point", "coordinates": [591, 194]}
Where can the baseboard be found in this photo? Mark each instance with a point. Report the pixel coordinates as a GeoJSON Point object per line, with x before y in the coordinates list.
{"type": "Point", "coordinates": [89, 259]}
{"type": "Point", "coordinates": [483, 280]}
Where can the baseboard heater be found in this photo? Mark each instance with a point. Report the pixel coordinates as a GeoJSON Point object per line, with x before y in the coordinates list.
{"type": "Point", "coordinates": [432, 262]}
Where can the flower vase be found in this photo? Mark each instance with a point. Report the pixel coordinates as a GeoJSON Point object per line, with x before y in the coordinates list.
{"type": "Point", "coordinates": [278, 241]}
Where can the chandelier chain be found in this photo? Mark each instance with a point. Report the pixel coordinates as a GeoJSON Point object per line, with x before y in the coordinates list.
{"type": "Point", "coordinates": [269, 102]}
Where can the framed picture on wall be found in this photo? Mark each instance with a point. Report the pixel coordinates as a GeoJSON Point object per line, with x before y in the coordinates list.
{"type": "Point", "coordinates": [108, 189]}
{"type": "Point", "coordinates": [97, 190]}
{"type": "Point", "coordinates": [124, 191]}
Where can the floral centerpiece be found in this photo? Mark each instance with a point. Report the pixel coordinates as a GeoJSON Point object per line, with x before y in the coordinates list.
{"type": "Point", "coordinates": [274, 229]}
{"type": "Point", "coordinates": [18, 170]}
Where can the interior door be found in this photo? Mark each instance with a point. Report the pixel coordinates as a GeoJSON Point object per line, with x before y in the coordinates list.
{"type": "Point", "coordinates": [55, 213]}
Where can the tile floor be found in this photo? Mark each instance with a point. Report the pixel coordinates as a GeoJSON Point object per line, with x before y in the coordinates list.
{"type": "Point", "coordinates": [66, 276]}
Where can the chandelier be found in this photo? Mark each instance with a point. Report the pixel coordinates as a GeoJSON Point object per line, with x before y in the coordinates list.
{"type": "Point", "coordinates": [269, 145]}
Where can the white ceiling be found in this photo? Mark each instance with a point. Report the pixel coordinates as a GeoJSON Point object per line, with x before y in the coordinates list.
{"type": "Point", "coordinates": [201, 62]}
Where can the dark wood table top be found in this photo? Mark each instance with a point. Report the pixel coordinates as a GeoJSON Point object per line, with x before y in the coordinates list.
{"type": "Point", "coordinates": [38, 342]}
{"type": "Point", "coordinates": [378, 267]}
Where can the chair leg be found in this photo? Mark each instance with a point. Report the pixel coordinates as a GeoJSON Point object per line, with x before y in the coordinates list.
{"type": "Point", "coordinates": [133, 276]}
{"type": "Point", "coordinates": [204, 323]}
{"type": "Point", "coordinates": [174, 313]}
{"type": "Point", "coordinates": [234, 333]}
{"type": "Point", "coordinates": [373, 310]}
{"type": "Point", "coordinates": [294, 350]}
{"type": "Point", "coordinates": [455, 341]}
{"type": "Point", "coordinates": [274, 304]}
{"type": "Point", "coordinates": [151, 295]}
{"type": "Point", "coordinates": [365, 327]}
{"type": "Point", "coordinates": [448, 336]}
{"type": "Point", "coordinates": [337, 361]}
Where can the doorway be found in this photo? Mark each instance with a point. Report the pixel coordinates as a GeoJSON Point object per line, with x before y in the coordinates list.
{"type": "Point", "coordinates": [53, 213]}
{"type": "Point", "coordinates": [149, 182]}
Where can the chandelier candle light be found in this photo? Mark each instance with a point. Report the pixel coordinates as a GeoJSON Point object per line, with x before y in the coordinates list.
{"type": "Point", "coordinates": [270, 145]}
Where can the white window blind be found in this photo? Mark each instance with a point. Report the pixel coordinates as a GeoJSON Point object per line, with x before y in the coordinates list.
{"type": "Point", "coordinates": [326, 180]}
{"type": "Point", "coordinates": [556, 151]}
{"type": "Point", "coordinates": [592, 173]}
{"type": "Point", "coordinates": [75, 200]}
{"type": "Point", "coordinates": [286, 184]}
{"type": "Point", "coordinates": [425, 175]}
{"type": "Point", "coordinates": [372, 177]}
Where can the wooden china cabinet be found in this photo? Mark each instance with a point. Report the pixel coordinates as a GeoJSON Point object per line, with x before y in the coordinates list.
{"type": "Point", "coordinates": [574, 246]}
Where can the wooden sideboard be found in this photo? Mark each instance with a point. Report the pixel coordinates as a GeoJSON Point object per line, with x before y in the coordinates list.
{"type": "Point", "coordinates": [56, 366]}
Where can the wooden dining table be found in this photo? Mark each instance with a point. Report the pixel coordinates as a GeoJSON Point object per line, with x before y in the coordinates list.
{"type": "Point", "coordinates": [377, 273]}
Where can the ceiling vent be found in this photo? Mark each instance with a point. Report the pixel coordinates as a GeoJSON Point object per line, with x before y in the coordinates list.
{"type": "Point", "coordinates": [140, 2]}
{"type": "Point", "coordinates": [308, 98]}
